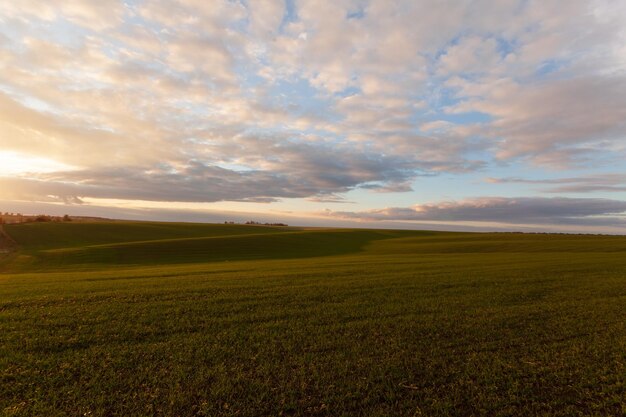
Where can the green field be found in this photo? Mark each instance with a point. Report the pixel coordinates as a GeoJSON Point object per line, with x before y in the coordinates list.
{"type": "Point", "coordinates": [167, 319]}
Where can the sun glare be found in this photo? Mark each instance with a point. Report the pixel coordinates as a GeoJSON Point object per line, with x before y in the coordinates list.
{"type": "Point", "coordinates": [14, 163]}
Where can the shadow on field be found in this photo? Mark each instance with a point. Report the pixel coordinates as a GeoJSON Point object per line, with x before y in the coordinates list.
{"type": "Point", "coordinates": [286, 245]}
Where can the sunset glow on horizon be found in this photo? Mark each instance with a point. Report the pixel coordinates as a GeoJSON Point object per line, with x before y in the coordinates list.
{"type": "Point", "coordinates": [13, 163]}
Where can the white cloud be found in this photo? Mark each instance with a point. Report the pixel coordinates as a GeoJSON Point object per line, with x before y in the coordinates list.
{"type": "Point", "coordinates": [547, 121]}
{"type": "Point", "coordinates": [265, 18]}
{"type": "Point", "coordinates": [471, 55]}
{"type": "Point", "coordinates": [95, 15]}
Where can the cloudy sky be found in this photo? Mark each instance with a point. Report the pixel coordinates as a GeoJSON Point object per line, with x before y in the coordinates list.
{"type": "Point", "coordinates": [448, 114]}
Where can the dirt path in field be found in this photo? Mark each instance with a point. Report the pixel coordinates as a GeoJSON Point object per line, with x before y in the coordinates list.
{"type": "Point", "coordinates": [7, 244]}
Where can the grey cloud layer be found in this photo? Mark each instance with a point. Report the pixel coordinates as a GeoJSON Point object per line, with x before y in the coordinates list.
{"type": "Point", "coordinates": [606, 182]}
{"type": "Point", "coordinates": [296, 170]}
{"type": "Point", "coordinates": [529, 210]}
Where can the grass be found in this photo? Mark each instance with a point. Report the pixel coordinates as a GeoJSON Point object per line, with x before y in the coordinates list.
{"type": "Point", "coordinates": [186, 320]}
{"type": "Point", "coordinates": [55, 235]}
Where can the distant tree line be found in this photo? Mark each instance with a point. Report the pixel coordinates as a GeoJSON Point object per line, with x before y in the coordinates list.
{"type": "Point", "coordinates": [251, 222]}
{"type": "Point", "coordinates": [8, 217]}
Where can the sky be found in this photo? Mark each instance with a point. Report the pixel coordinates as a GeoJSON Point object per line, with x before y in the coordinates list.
{"type": "Point", "coordinates": [457, 115]}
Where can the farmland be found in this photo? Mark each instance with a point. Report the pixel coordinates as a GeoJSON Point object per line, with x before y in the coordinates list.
{"type": "Point", "coordinates": [140, 319]}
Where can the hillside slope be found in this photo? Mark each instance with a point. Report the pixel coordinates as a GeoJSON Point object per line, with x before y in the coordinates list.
{"type": "Point", "coordinates": [80, 246]}
{"type": "Point", "coordinates": [55, 235]}
{"type": "Point", "coordinates": [53, 246]}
